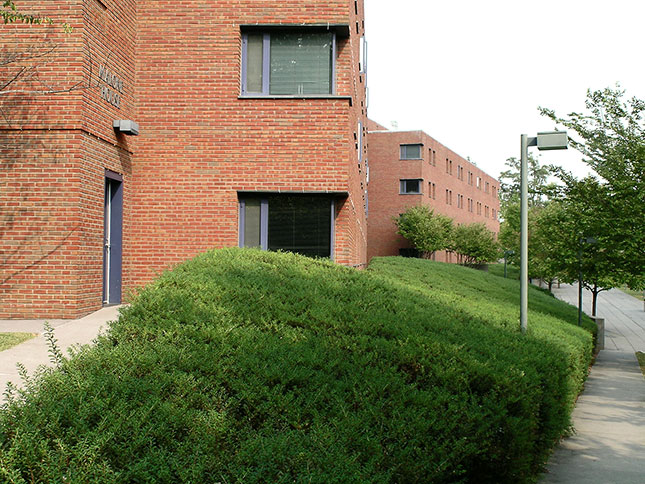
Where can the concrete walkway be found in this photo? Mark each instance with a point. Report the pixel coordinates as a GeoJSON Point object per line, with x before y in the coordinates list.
{"type": "Point", "coordinates": [34, 352]}
{"type": "Point", "coordinates": [609, 419]}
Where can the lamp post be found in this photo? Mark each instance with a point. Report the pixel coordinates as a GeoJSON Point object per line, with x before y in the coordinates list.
{"type": "Point", "coordinates": [581, 241]}
{"type": "Point", "coordinates": [548, 140]}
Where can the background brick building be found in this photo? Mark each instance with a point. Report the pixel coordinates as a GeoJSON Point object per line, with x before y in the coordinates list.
{"type": "Point", "coordinates": [234, 149]}
{"type": "Point", "coordinates": [409, 168]}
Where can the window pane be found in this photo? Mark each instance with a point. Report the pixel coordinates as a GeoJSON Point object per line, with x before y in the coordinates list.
{"type": "Point", "coordinates": [252, 223]}
{"type": "Point", "coordinates": [254, 63]}
{"type": "Point", "coordinates": [300, 224]}
{"type": "Point", "coordinates": [409, 152]}
{"type": "Point", "coordinates": [410, 186]}
{"type": "Point", "coordinates": [301, 63]}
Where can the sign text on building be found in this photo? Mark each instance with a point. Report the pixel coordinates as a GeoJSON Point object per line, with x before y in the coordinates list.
{"type": "Point", "coordinates": [113, 88]}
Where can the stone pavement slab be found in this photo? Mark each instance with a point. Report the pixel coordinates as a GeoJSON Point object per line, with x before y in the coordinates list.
{"type": "Point", "coordinates": [609, 419]}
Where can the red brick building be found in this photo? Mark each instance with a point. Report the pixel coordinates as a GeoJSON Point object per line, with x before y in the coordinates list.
{"type": "Point", "coordinates": [409, 168]}
{"type": "Point", "coordinates": [251, 124]}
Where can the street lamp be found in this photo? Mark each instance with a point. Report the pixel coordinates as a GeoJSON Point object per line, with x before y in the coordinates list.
{"type": "Point", "coordinates": [507, 253]}
{"type": "Point", "coordinates": [549, 140]}
{"type": "Point", "coordinates": [582, 240]}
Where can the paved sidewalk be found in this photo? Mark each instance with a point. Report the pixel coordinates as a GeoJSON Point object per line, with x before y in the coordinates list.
{"type": "Point", "coordinates": [609, 419]}
{"type": "Point", "coordinates": [34, 352]}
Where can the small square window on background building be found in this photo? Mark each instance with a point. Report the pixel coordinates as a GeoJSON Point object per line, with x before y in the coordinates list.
{"type": "Point", "coordinates": [411, 152]}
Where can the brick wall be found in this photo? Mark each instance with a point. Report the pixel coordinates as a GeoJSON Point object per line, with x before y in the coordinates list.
{"type": "Point", "coordinates": [177, 67]}
{"type": "Point", "coordinates": [201, 143]}
{"type": "Point", "coordinates": [54, 150]}
{"type": "Point", "coordinates": [439, 166]}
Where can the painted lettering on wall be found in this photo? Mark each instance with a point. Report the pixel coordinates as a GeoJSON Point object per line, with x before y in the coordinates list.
{"type": "Point", "coordinates": [113, 88]}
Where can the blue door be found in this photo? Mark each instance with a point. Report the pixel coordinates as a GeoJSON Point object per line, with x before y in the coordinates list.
{"type": "Point", "coordinates": [113, 238]}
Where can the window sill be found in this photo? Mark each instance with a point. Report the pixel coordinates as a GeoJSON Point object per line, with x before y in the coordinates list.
{"type": "Point", "coordinates": [411, 193]}
{"type": "Point", "coordinates": [293, 96]}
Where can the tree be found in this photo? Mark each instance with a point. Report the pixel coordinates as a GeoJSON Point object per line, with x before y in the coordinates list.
{"type": "Point", "coordinates": [425, 230]}
{"type": "Point", "coordinates": [475, 243]}
{"type": "Point", "coordinates": [11, 14]}
{"type": "Point", "coordinates": [611, 137]}
{"type": "Point", "coordinates": [565, 229]}
{"type": "Point", "coordinates": [538, 188]}
{"type": "Point", "coordinates": [540, 191]}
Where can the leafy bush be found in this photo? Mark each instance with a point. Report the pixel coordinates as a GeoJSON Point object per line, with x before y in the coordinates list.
{"type": "Point", "coordinates": [425, 230]}
{"type": "Point", "coordinates": [475, 243]}
{"type": "Point", "coordinates": [242, 366]}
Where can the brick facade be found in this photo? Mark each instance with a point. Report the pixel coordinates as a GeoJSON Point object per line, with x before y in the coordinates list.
{"type": "Point", "coordinates": [175, 69]}
{"type": "Point", "coordinates": [450, 185]}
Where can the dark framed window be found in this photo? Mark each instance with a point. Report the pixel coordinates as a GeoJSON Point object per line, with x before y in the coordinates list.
{"type": "Point", "coordinates": [360, 141]}
{"type": "Point", "coordinates": [296, 223]}
{"type": "Point", "coordinates": [411, 152]}
{"type": "Point", "coordinates": [288, 63]}
{"type": "Point", "coordinates": [362, 57]}
{"type": "Point", "coordinates": [410, 187]}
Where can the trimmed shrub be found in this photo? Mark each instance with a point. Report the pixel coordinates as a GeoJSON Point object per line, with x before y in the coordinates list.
{"type": "Point", "coordinates": [242, 366]}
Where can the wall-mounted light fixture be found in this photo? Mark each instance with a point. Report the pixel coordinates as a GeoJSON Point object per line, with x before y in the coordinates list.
{"type": "Point", "coordinates": [126, 127]}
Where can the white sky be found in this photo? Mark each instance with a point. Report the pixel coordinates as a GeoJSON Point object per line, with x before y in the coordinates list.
{"type": "Point", "coordinates": [471, 73]}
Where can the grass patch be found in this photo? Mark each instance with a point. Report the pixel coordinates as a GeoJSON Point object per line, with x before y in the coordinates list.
{"type": "Point", "coordinates": [512, 272]}
{"type": "Point", "coordinates": [641, 360]}
{"type": "Point", "coordinates": [242, 366]}
{"type": "Point", "coordinates": [8, 340]}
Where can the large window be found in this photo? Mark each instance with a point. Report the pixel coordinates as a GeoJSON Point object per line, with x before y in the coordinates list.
{"type": "Point", "coordinates": [410, 187]}
{"type": "Point", "coordinates": [295, 223]}
{"type": "Point", "coordinates": [411, 152]}
{"type": "Point", "coordinates": [288, 63]}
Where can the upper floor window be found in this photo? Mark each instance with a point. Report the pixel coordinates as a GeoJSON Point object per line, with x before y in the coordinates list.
{"type": "Point", "coordinates": [360, 142]}
{"type": "Point", "coordinates": [411, 152]}
{"type": "Point", "coordinates": [433, 190]}
{"type": "Point", "coordinates": [410, 187]}
{"type": "Point", "coordinates": [286, 63]}
{"type": "Point", "coordinates": [362, 59]}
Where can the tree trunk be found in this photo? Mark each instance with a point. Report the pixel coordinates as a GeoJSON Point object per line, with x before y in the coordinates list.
{"type": "Point", "coordinates": [594, 299]}
{"type": "Point", "coordinates": [550, 284]}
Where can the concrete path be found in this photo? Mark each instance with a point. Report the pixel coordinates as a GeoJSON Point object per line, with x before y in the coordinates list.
{"type": "Point", "coordinates": [609, 419]}
{"type": "Point", "coordinates": [34, 352]}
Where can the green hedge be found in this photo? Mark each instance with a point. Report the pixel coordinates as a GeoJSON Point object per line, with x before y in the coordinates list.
{"type": "Point", "coordinates": [243, 366]}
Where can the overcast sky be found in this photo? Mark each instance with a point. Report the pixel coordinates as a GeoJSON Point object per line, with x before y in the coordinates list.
{"type": "Point", "coordinates": [472, 73]}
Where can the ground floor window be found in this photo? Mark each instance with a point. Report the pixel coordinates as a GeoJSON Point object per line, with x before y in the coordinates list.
{"type": "Point", "coordinates": [296, 223]}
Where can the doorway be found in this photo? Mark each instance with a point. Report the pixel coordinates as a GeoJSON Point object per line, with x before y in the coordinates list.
{"type": "Point", "coordinates": [113, 238]}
